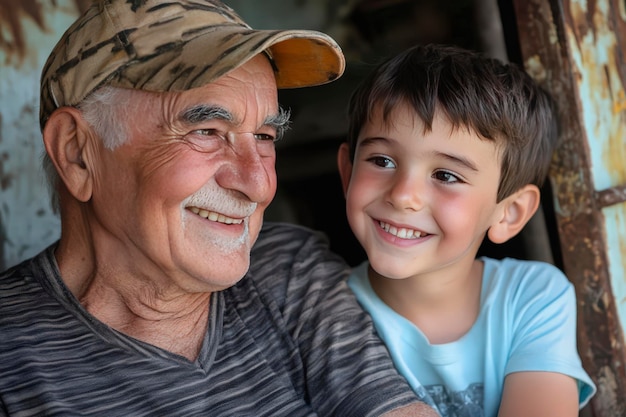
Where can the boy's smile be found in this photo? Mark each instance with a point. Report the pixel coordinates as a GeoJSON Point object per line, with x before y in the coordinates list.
{"type": "Point", "coordinates": [401, 232]}
{"type": "Point", "coordinates": [420, 201]}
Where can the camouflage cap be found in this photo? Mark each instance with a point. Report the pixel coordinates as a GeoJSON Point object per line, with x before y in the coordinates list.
{"type": "Point", "coordinates": [174, 45]}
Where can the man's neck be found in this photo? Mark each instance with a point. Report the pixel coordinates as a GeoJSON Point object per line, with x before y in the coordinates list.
{"type": "Point", "coordinates": [162, 315]}
{"type": "Point", "coordinates": [176, 324]}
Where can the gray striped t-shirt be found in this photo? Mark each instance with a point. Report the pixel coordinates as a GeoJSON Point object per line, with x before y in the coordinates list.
{"type": "Point", "coordinates": [288, 340]}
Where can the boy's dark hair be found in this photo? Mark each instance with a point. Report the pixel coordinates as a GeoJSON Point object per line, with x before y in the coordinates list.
{"type": "Point", "coordinates": [498, 101]}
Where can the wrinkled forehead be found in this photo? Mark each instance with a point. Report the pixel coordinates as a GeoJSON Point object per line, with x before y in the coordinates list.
{"type": "Point", "coordinates": [244, 98]}
{"type": "Point", "coordinates": [246, 92]}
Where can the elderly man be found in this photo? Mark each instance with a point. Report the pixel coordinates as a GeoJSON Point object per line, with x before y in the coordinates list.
{"type": "Point", "coordinates": [159, 120]}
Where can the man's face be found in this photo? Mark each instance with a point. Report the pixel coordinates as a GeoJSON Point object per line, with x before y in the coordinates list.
{"type": "Point", "coordinates": [182, 202]}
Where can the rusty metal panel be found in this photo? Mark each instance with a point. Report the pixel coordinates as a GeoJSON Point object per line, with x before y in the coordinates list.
{"type": "Point", "coordinates": [597, 54]}
{"type": "Point", "coordinates": [576, 50]}
{"type": "Point", "coordinates": [615, 220]}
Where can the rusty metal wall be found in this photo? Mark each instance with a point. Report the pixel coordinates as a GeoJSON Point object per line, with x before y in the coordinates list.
{"type": "Point", "coordinates": [577, 49]}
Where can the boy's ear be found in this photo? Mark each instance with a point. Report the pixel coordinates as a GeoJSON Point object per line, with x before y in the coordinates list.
{"type": "Point", "coordinates": [516, 210]}
{"type": "Point", "coordinates": [65, 138]}
{"type": "Point", "coordinates": [345, 166]}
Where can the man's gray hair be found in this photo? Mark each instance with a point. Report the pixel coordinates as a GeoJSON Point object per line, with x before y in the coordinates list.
{"type": "Point", "coordinates": [102, 111]}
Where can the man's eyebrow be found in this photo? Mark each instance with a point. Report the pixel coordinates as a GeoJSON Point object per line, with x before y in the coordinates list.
{"type": "Point", "coordinates": [205, 112]}
{"type": "Point", "coordinates": [279, 121]}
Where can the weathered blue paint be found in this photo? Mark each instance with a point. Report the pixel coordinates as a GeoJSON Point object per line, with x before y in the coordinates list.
{"type": "Point", "coordinates": [27, 222]}
{"type": "Point", "coordinates": [597, 56]}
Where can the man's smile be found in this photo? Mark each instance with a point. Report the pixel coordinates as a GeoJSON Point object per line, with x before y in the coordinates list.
{"type": "Point", "coordinates": [213, 216]}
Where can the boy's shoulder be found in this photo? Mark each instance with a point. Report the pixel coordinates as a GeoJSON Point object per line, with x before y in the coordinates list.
{"type": "Point", "coordinates": [521, 265]}
{"type": "Point", "coordinates": [527, 278]}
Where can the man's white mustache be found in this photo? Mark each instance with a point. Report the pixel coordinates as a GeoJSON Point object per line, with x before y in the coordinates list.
{"type": "Point", "coordinates": [220, 200]}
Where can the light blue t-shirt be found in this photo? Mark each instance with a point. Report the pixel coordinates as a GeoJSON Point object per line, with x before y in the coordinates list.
{"type": "Point", "coordinates": [527, 322]}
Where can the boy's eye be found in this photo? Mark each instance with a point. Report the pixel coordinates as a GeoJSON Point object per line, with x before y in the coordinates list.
{"type": "Point", "coordinates": [446, 176]}
{"type": "Point", "coordinates": [382, 161]}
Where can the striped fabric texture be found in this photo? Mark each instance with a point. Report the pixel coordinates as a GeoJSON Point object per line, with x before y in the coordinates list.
{"type": "Point", "coordinates": [288, 340]}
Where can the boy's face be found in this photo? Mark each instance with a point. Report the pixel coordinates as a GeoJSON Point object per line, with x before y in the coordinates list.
{"type": "Point", "coordinates": [420, 202]}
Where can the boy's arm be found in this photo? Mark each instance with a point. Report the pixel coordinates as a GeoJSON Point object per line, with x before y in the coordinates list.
{"type": "Point", "coordinates": [544, 374]}
{"type": "Point", "coordinates": [539, 394]}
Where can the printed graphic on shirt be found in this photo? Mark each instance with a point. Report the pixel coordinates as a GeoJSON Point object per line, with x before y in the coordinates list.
{"type": "Point", "coordinates": [467, 403]}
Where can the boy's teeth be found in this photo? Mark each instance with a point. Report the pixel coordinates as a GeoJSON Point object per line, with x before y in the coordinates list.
{"type": "Point", "coordinates": [401, 232]}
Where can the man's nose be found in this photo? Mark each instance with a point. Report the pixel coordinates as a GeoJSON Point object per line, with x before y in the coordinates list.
{"type": "Point", "coordinates": [246, 170]}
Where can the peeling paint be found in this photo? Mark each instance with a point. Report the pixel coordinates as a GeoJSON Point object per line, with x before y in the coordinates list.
{"type": "Point", "coordinates": [596, 53]}
{"type": "Point", "coordinates": [535, 68]}
{"type": "Point", "coordinates": [620, 103]}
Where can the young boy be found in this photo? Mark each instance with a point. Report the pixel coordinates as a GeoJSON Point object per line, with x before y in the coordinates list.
{"type": "Point", "coordinates": [444, 147]}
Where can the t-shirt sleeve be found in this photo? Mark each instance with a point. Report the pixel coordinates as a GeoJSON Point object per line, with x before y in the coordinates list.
{"type": "Point", "coordinates": [348, 371]}
{"type": "Point", "coordinates": [544, 333]}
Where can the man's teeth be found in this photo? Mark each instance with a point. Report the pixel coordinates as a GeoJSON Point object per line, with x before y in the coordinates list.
{"type": "Point", "coordinates": [214, 217]}
{"type": "Point", "coordinates": [401, 232]}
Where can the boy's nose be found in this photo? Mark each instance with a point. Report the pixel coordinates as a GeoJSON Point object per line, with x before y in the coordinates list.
{"type": "Point", "coordinates": [406, 193]}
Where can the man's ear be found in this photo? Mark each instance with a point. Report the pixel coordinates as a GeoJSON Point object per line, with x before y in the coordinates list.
{"type": "Point", "coordinates": [345, 166]}
{"type": "Point", "coordinates": [65, 138]}
{"type": "Point", "coordinates": [515, 211]}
